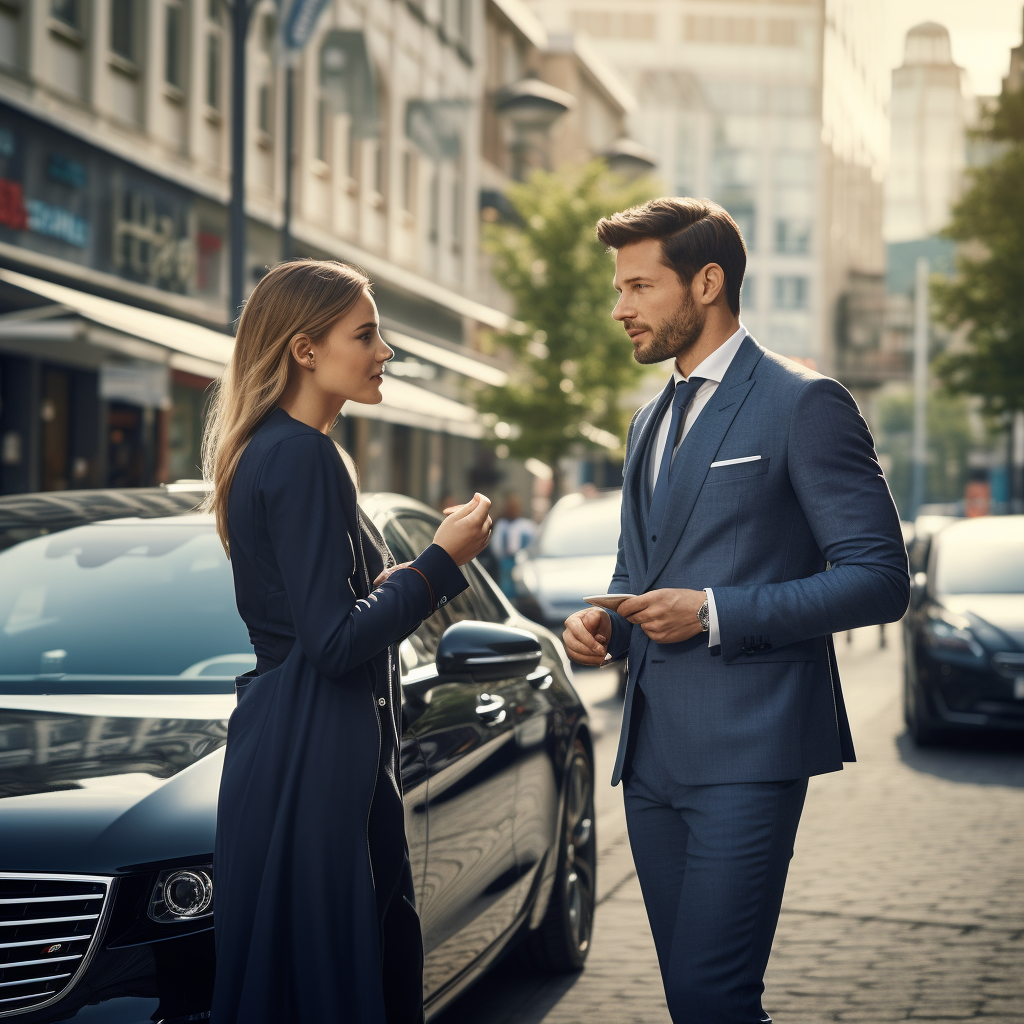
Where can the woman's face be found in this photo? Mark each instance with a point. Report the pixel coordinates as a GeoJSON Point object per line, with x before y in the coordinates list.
{"type": "Point", "coordinates": [349, 362]}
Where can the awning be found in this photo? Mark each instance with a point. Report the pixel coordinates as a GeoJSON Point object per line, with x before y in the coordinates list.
{"type": "Point", "coordinates": [203, 351]}
{"type": "Point", "coordinates": [464, 364]}
{"type": "Point", "coordinates": [169, 332]}
{"type": "Point", "coordinates": [410, 406]}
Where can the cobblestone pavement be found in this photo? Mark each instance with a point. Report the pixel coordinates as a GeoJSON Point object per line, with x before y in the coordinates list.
{"type": "Point", "coordinates": [905, 898]}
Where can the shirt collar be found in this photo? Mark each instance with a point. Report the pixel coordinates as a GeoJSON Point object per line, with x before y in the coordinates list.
{"type": "Point", "coordinates": [714, 367]}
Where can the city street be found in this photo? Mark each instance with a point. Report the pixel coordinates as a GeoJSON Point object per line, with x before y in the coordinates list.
{"type": "Point", "coordinates": [905, 899]}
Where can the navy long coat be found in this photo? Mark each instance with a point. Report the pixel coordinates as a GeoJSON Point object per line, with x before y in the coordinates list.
{"type": "Point", "coordinates": [314, 899]}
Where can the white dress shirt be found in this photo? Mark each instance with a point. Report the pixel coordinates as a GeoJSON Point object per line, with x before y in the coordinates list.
{"type": "Point", "coordinates": [712, 370]}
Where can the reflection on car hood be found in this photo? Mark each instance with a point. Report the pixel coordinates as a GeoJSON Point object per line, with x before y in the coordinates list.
{"type": "Point", "coordinates": [106, 782]}
{"type": "Point", "coordinates": [1004, 611]}
{"type": "Point", "coordinates": [572, 578]}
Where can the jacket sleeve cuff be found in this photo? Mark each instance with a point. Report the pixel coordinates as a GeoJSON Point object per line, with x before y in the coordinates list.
{"type": "Point", "coordinates": [443, 577]}
{"type": "Point", "coordinates": [622, 632]}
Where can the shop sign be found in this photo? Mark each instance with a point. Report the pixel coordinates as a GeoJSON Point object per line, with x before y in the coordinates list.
{"type": "Point", "coordinates": [73, 201]}
{"type": "Point", "coordinates": [145, 385]}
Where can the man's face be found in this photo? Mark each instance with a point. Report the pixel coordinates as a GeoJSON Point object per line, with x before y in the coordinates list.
{"type": "Point", "coordinates": [658, 311]}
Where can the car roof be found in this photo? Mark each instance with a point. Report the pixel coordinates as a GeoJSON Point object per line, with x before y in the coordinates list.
{"type": "Point", "coordinates": [24, 516]}
{"type": "Point", "coordinates": [997, 528]}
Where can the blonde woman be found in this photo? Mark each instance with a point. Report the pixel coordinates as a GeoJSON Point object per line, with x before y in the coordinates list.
{"type": "Point", "coordinates": [315, 916]}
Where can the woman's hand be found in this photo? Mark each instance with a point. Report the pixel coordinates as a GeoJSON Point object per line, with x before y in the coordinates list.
{"type": "Point", "coordinates": [465, 533]}
{"type": "Point", "coordinates": [387, 572]}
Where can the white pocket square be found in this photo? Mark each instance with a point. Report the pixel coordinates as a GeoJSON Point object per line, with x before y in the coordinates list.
{"type": "Point", "coordinates": [733, 462]}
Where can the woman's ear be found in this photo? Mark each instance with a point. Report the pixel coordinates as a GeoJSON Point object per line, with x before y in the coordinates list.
{"type": "Point", "coordinates": [302, 352]}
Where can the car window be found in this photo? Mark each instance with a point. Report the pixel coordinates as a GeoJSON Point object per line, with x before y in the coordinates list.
{"type": "Point", "coordinates": [116, 599]}
{"type": "Point", "coordinates": [589, 528]}
{"type": "Point", "coordinates": [420, 648]}
{"type": "Point", "coordinates": [421, 532]}
{"type": "Point", "coordinates": [973, 562]}
{"type": "Point", "coordinates": [487, 602]}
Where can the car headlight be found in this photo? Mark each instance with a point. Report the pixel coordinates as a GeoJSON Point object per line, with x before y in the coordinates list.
{"type": "Point", "coordinates": [948, 632]}
{"type": "Point", "coordinates": [182, 894]}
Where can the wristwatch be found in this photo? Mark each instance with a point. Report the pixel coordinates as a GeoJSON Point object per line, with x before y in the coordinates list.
{"type": "Point", "coordinates": [704, 616]}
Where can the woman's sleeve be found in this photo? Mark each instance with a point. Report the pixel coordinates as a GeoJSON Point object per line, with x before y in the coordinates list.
{"type": "Point", "coordinates": [304, 489]}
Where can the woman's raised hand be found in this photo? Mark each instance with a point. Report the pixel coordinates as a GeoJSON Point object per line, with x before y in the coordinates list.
{"type": "Point", "coordinates": [465, 533]}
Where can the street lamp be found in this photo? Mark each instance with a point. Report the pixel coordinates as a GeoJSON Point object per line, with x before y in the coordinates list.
{"type": "Point", "coordinates": [531, 107]}
{"type": "Point", "coordinates": [627, 157]}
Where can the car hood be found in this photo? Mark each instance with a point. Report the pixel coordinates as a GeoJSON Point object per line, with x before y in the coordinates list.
{"type": "Point", "coordinates": [572, 578]}
{"type": "Point", "coordinates": [107, 783]}
{"type": "Point", "coordinates": [1004, 611]}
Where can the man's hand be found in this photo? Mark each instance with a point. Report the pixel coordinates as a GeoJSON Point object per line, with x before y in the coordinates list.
{"type": "Point", "coordinates": [586, 636]}
{"type": "Point", "coordinates": [667, 616]}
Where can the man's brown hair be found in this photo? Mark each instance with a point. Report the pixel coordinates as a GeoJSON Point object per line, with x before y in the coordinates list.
{"type": "Point", "coordinates": [693, 233]}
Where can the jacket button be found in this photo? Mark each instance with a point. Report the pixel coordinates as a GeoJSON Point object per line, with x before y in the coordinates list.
{"type": "Point", "coordinates": [442, 600]}
{"type": "Point", "coordinates": [382, 702]}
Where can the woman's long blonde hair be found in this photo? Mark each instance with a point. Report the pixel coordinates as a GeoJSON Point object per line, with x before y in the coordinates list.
{"type": "Point", "coordinates": [299, 297]}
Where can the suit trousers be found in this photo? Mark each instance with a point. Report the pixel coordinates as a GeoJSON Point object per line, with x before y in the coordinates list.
{"type": "Point", "coordinates": [712, 864]}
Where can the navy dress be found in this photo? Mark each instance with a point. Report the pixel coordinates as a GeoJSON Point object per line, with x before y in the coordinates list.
{"type": "Point", "coordinates": [314, 899]}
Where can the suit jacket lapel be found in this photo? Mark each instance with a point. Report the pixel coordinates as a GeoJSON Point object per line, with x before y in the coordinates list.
{"type": "Point", "coordinates": [698, 450]}
{"type": "Point", "coordinates": [633, 481]}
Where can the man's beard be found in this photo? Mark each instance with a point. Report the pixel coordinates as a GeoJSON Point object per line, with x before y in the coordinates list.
{"type": "Point", "coordinates": [675, 337]}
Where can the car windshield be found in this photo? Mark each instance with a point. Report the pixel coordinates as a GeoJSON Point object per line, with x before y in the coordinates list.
{"type": "Point", "coordinates": [976, 562]}
{"type": "Point", "coordinates": [120, 599]}
{"type": "Point", "coordinates": [590, 528]}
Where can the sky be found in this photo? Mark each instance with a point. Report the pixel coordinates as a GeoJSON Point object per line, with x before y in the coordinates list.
{"type": "Point", "coordinates": [981, 32]}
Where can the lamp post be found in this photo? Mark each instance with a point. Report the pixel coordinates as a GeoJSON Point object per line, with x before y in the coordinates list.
{"type": "Point", "coordinates": [628, 158]}
{"type": "Point", "coordinates": [919, 458]}
{"type": "Point", "coordinates": [241, 14]}
{"type": "Point", "coordinates": [531, 107]}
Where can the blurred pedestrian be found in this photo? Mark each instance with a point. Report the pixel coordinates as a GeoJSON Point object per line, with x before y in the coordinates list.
{"type": "Point", "coordinates": [315, 899]}
{"type": "Point", "coordinates": [512, 532]}
{"type": "Point", "coordinates": [743, 480]}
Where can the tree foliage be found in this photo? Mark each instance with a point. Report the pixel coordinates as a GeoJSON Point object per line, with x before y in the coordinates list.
{"type": "Point", "coordinates": [574, 361]}
{"type": "Point", "coordinates": [987, 293]}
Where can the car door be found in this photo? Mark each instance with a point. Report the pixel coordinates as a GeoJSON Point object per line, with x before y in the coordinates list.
{"type": "Point", "coordinates": [466, 733]}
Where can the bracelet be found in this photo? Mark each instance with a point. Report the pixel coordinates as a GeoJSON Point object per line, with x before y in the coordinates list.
{"type": "Point", "coordinates": [433, 606]}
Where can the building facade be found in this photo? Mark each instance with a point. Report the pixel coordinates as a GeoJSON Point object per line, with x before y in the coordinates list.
{"type": "Point", "coordinates": [114, 183]}
{"type": "Point", "coordinates": [775, 110]}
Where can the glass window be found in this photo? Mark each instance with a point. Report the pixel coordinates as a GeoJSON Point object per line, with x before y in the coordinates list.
{"type": "Point", "coordinates": [111, 599]}
{"type": "Point", "coordinates": [213, 71]}
{"type": "Point", "coordinates": [172, 45]}
{"type": "Point", "coordinates": [793, 235]}
{"type": "Point", "coordinates": [264, 108]}
{"type": "Point", "coordinates": [321, 129]}
{"type": "Point", "coordinates": [67, 11]}
{"type": "Point", "coordinates": [748, 292]}
{"type": "Point", "coordinates": [590, 528]}
{"type": "Point", "coordinates": [122, 28]}
{"type": "Point", "coordinates": [968, 562]}
{"type": "Point", "coordinates": [487, 602]}
{"type": "Point", "coordinates": [791, 292]}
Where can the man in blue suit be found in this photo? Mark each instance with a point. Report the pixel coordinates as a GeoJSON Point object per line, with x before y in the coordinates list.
{"type": "Point", "coordinates": [756, 522]}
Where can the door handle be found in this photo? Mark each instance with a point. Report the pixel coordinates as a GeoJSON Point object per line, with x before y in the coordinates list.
{"type": "Point", "coordinates": [491, 708]}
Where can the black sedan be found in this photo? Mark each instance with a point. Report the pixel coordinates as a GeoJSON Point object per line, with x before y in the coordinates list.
{"type": "Point", "coordinates": [119, 644]}
{"type": "Point", "coordinates": [964, 633]}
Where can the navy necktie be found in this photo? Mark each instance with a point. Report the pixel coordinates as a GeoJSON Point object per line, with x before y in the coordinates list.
{"type": "Point", "coordinates": [685, 390]}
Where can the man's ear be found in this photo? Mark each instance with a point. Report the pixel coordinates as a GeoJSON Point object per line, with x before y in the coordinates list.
{"type": "Point", "coordinates": [708, 284]}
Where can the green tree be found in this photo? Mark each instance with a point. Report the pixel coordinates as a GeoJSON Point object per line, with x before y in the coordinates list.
{"type": "Point", "coordinates": [987, 293]}
{"type": "Point", "coordinates": [574, 361]}
{"type": "Point", "coordinates": [950, 439]}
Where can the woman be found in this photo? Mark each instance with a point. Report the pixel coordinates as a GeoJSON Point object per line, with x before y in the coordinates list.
{"type": "Point", "coordinates": [315, 916]}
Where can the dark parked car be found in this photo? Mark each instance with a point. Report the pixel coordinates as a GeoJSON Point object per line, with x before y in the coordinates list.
{"type": "Point", "coordinates": [964, 633]}
{"type": "Point", "coordinates": [119, 646]}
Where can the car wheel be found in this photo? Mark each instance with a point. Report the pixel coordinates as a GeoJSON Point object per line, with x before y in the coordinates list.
{"type": "Point", "coordinates": [562, 941]}
{"type": "Point", "coordinates": [921, 730]}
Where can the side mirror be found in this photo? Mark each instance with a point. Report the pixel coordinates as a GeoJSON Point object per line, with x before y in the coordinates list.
{"type": "Point", "coordinates": [918, 589]}
{"type": "Point", "coordinates": [484, 652]}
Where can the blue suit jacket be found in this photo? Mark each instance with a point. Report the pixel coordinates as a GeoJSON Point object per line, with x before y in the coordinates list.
{"type": "Point", "coordinates": [801, 543]}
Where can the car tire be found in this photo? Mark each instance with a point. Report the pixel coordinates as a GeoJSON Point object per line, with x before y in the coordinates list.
{"type": "Point", "coordinates": [562, 941]}
{"type": "Point", "coordinates": [921, 730]}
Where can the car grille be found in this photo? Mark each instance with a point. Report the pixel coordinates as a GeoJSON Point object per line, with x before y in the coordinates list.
{"type": "Point", "coordinates": [49, 927]}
